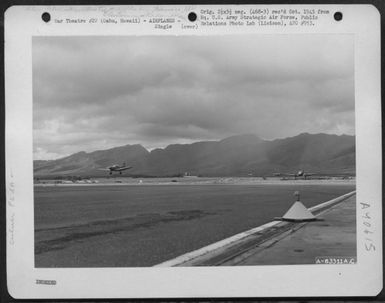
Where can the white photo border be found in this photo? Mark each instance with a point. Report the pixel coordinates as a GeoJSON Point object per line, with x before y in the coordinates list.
{"type": "Point", "coordinates": [362, 279]}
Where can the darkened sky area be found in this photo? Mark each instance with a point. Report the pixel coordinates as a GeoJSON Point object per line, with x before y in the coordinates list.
{"type": "Point", "coordinates": [93, 93]}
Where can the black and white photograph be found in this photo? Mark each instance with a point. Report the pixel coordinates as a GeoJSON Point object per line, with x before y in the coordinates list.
{"type": "Point", "coordinates": [201, 151]}
{"type": "Point", "coordinates": [150, 148]}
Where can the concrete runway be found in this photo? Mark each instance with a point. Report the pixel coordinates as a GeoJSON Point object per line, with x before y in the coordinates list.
{"type": "Point", "coordinates": [330, 240]}
{"type": "Point", "coordinates": [130, 226]}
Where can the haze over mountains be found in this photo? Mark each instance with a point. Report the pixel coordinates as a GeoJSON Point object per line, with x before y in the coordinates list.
{"type": "Point", "coordinates": [240, 155]}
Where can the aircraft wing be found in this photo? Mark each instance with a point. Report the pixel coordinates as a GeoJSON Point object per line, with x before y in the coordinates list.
{"type": "Point", "coordinates": [123, 168]}
{"type": "Point", "coordinates": [105, 169]}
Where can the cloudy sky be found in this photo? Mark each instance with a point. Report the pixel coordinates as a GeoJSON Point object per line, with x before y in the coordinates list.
{"type": "Point", "coordinates": [93, 93]}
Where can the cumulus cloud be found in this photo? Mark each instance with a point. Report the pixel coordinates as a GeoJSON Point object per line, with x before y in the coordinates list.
{"type": "Point", "coordinates": [98, 92]}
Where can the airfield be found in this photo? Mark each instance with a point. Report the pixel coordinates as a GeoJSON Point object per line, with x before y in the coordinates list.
{"type": "Point", "coordinates": [193, 180]}
{"type": "Point", "coordinates": [131, 222]}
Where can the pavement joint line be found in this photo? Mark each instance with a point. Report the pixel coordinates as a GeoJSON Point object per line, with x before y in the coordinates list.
{"type": "Point", "coordinates": [240, 249]}
{"type": "Point", "coordinates": [262, 245]}
{"type": "Point", "coordinates": [244, 255]}
{"type": "Point", "coordinates": [201, 252]}
{"type": "Point", "coordinates": [251, 252]}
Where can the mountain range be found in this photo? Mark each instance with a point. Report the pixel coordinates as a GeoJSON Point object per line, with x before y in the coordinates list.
{"type": "Point", "coordinates": [239, 155]}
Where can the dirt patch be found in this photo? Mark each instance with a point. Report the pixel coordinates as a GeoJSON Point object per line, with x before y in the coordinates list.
{"type": "Point", "coordinates": [76, 233]}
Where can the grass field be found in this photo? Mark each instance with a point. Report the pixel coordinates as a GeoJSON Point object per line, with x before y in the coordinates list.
{"type": "Point", "coordinates": [132, 226]}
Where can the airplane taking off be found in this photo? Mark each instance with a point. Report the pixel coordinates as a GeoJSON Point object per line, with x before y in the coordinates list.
{"type": "Point", "coordinates": [116, 168]}
{"type": "Point", "coordinates": [300, 173]}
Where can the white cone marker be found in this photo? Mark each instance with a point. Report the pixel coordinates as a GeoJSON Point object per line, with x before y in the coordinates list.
{"type": "Point", "coordinates": [298, 212]}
